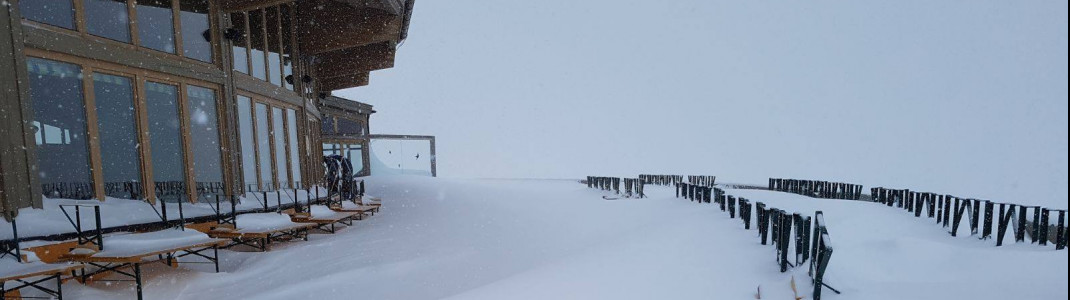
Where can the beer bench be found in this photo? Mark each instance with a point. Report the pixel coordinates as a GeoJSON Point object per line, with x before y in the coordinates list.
{"type": "Point", "coordinates": [324, 218]}
{"type": "Point", "coordinates": [356, 208]}
{"type": "Point", "coordinates": [31, 275]}
{"type": "Point", "coordinates": [257, 230]}
{"type": "Point", "coordinates": [128, 250]}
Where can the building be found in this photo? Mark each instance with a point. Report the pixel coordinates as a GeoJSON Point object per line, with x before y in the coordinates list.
{"type": "Point", "coordinates": [181, 100]}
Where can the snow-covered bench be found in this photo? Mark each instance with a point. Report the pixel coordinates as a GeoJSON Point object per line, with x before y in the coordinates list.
{"type": "Point", "coordinates": [257, 230]}
{"type": "Point", "coordinates": [324, 218]}
{"type": "Point", "coordinates": [32, 274]}
{"type": "Point", "coordinates": [131, 250]}
{"type": "Point", "coordinates": [357, 208]}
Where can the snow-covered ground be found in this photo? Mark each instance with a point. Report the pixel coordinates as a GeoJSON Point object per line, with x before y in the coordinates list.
{"type": "Point", "coordinates": [546, 239]}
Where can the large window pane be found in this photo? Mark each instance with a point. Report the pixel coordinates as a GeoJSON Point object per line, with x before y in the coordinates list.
{"type": "Point", "coordinates": [274, 43]}
{"type": "Point", "coordinates": [53, 12]}
{"type": "Point", "coordinates": [108, 18]}
{"type": "Point", "coordinates": [295, 157]}
{"type": "Point", "coordinates": [248, 150]}
{"type": "Point", "coordinates": [278, 132]}
{"type": "Point", "coordinates": [263, 143]}
{"type": "Point", "coordinates": [204, 131]}
{"type": "Point", "coordinates": [256, 38]}
{"type": "Point", "coordinates": [165, 141]}
{"type": "Point", "coordinates": [59, 124]}
{"type": "Point", "coordinates": [287, 47]}
{"type": "Point", "coordinates": [196, 38]}
{"type": "Point", "coordinates": [114, 100]}
{"type": "Point", "coordinates": [355, 154]}
{"type": "Point", "coordinates": [240, 46]}
{"type": "Point", "coordinates": [155, 25]}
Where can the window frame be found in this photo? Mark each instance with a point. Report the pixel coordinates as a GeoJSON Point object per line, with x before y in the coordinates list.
{"type": "Point", "coordinates": [271, 104]}
{"type": "Point", "coordinates": [140, 76]}
{"type": "Point", "coordinates": [82, 30]}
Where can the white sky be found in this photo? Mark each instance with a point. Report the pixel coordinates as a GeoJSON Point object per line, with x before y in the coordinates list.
{"type": "Point", "coordinates": [960, 97]}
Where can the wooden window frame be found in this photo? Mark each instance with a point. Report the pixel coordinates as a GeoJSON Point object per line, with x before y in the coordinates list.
{"type": "Point", "coordinates": [81, 30]}
{"type": "Point", "coordinates": [270, 104]}
{"type": "Point", "coordinates": [140, 77]}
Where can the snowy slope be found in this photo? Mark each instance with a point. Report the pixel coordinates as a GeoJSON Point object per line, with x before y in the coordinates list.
{"type": "Point", "coordinates": [531, 239]}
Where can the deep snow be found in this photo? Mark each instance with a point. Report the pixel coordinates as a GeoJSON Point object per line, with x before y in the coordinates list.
{"type": "Point", "coordinates": [546, 239]}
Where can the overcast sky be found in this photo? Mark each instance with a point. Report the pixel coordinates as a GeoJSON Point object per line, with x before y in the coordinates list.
{"type": "Point", "coordinates": [960, 97]}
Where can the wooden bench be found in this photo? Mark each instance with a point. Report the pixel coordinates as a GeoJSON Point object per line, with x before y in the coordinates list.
{"type": "Point", "coordinates": [131, 250]}
{"type": "Point", "coordinates": [324, 218]}
{"type": "Point", "coordinates": [356, 208]}
{"type": "Point", "coordinates": [255, 233]}
{"type": "Point", "coordinates": [31, 275]}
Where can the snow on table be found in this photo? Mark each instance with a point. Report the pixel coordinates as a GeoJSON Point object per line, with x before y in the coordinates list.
{"type": "Point", "coordinates": [265, 222]}
{"type": "Point", "coordinates": [11, 269]}
{"type": "Point", "coordinates": [136, 244]}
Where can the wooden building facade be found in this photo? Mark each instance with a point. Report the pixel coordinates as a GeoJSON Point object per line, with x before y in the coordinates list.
{"type": "Point", "coordinates": [180, 100]}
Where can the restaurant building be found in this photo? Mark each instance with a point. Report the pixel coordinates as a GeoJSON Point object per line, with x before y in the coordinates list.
{"type": "Point", "coordinates": [181, 100]}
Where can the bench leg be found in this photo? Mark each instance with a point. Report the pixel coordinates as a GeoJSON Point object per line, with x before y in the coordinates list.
{"type": "Point", "coordinates": [137, 279]}
{"type": "Point", "coordinates": [215, 253]}
{"type": "Point", "coordinates": [59, 288]}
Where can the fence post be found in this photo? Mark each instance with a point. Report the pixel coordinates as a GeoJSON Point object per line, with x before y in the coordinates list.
{"type": "Point", "coordinates": [1060, 235]}
{"type": "Point", "coordinates": [1044, 226]}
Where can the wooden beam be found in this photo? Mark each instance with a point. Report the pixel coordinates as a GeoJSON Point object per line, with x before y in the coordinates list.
{"type": "Point", "coordinates": [229, 6]}
{"type": "Point", "coordinates": [343, 82]}
{"type": "Point", "coordinates": [354, 60]}
{"type": "Point", "coordinates": [334, 26]}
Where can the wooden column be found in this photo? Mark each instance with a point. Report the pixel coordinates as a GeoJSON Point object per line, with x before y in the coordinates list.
{"type": "Point", "coordinates": [18, 162]}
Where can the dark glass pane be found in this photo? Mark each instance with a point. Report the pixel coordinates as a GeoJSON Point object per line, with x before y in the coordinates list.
{"type": "Point", "coordinates": [274, 47]}
{"type": "Point", "coordinates": [287, 47]}
{"type": "Point", "coordinates": [53, 12]}
{"type": "Point", "coordinates": [165, 140]}
{"type": "Point", "coordinates": [108, 18]}
{"type": "Point", "coordinates": [155, 25]}
{"type": "Point", "coordinates": [248, 150]}
{"type": "Point", "coordinates": [263, 143]}
{"type": "Point", "coordinates": [295, 157]}
{"type": "Point", "coordinates": [256, 39]}
{"type": "Point", "coordinates": [278, 132]}
{"type": "Point", "coordinates": [350, 127]}
{"type": "Point", "coordinates": [204, 132]}
{"type": "Point", "coordinates": [240, 50]}
{"type": "Point", "coordinates": [59, 125]}
{"type": "Point", "coordinates": [327, 125]}
{"type": "Point", "coordinates": [114, 100]}
{"type": "Point", "coordinates": [196, 43]}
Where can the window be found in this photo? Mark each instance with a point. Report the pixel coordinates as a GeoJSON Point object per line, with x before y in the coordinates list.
{"type": "Point", "coordinates": [113, 97]}
{"type": "Point", "coordinates": [257, 44]}
{"type": "Point", "coordinates": [295, 156]}
{"type": "Point", "coordinates": [155, 25]}
{"type": "Point", "coordinates": [248, 148]}
{"type": "Point", "coordinates": [263, 143]}
{"type": "Point", "coordinates": [52, 12]}
{"type": "Point", "coordinates": [59, 124]}
{"type": "Point", "coordinates": [278, 132]}
{"type": "Point", "coordinates": [165, 141]}
{"type": "Point", "coordinates": [287, 47]}
{"type": "Point", "coordinates": [274, 55]}
{"type": "Point", "coordinates": [196, 32]}
{"type": "Point", "coordinates": [355, 155]}
{"type": "Point", "coordinates": [204, 133]}
{"type": "Point", "coordinates": [240, 46]}
{"type": "Point", "coordinates": [108, 19]}
{"type": "Point", "coordinates": [350, 127]}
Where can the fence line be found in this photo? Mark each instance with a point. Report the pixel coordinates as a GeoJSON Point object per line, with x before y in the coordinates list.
{"type": "Point", "coordinates": [633, 187]}
{"type": "Point", "coordinates": [661, 179]}
{"type": "Point", "coordinates": [808, 235]}
{"type": "Point", "coordinates": [950, 211]}
{"type": "Point", "coordinates": [817, 188]}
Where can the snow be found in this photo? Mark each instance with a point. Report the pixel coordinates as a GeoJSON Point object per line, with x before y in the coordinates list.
{"type": "Point", "coordinates": [264, 222]}
{"type": "Point", "coordinates": [117, 212]}
{"type": "Point", "coordinates": [131, 244]}
{"type": "Point", "coordinates": [556, 239]}
{"type": "Point", "coordinates": [11, 268]}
